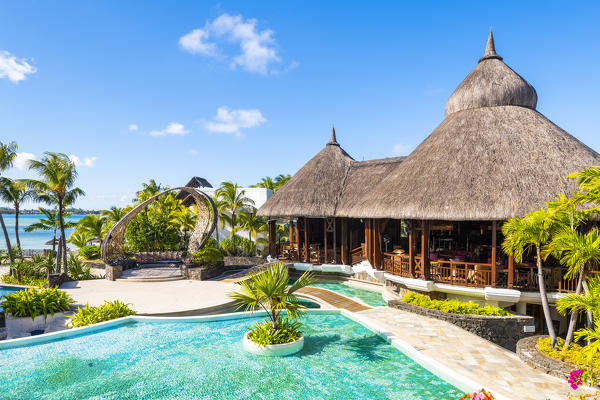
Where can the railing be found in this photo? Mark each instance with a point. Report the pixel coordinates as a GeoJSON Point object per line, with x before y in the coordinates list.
{"type": "Point", "coordinates": [397, 264]}
{"type": "Point", "coordinates": [358, 254]}
{"type": "Point", "coordinates": [461, 273]}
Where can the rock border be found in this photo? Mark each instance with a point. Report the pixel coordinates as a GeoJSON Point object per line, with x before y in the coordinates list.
{"type": "Point", "coordinates": [528, 352]}
{"type": "Point", "coordinates": [503, 331]}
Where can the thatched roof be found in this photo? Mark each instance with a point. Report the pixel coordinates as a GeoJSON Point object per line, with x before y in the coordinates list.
{"type": "Point", "coordinates": [493, 157]}
{"type": "Point", "coordinates": [196, 182]}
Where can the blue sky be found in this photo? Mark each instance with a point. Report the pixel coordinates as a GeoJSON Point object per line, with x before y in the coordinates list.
{"type": "Point", "coordinates": [241, 90]}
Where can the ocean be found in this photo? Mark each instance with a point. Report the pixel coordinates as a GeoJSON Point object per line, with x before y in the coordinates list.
{"type": "Point", "coordinates": [31, 240]}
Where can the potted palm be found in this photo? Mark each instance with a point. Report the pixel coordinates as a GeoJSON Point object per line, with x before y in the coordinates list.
{"type": "Point", "coordinates": [279, 334]}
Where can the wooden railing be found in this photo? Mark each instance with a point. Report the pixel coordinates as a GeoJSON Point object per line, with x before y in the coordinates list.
{"type": "Point", "coordinates": [397, 264]}
{"type": "Point", "coordinates": [461, 273]}
{"type": "Point", "coordinates": [358, 254]}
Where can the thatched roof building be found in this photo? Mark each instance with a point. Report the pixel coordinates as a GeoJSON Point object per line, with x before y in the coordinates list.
{"type": "Point", "coordinates": [493, 157]}
{"type": "Point", "coordinates": [327, 185]}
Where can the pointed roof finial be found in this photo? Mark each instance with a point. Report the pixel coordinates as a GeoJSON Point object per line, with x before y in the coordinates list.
{"type": "Point", "coordinates": [490, 49]}
{"type": "Point", "coordinates": [333, 138]}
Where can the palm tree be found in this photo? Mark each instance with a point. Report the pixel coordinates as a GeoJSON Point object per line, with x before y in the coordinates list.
{"type": "Point", "coordinates": [266, 182]}
{"type": "Point", "coordinates": [113, 215]}
{"type": "Point", "coordinates": [58, 176]}
{"type": "Point", "coordinates": [523, 234]}
{"type": "Point", "coordinates": [93, 225]}
{"type": "Point", "coordinates": [280, 180]}
{"type": "Point", "coordinates": [576, 251]}
{"type": "Point", "coordinates": [184, 221]}
{"type": "Point", "coordinates": [49, 223]}
{"type": "Point", "coordinates": [15, 192]}
{"type": "Point", "coordinates": [8, 153]}
{"type": "Point", "coordinates": [148, 190]}
{"type": "Point", "coordinates": [80, 239]}
{"type": "Point", "coordinates": [251, 224]}
{"type": "Point", "coordinates": [268, 289]}
{"type": "Point", "coordinates": [234, 200]}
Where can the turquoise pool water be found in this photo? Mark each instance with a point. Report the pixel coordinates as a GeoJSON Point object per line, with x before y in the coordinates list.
{"type": "Point", "coordinates": [369, 297]}
{"type": "Point", "coordinates": [205, 360]}
{"type": "Point", "coordinates": [4, 290]}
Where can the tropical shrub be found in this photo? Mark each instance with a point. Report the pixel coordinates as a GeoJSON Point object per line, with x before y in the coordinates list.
{"type": "Point", "coordinates": [237, 246]}
{"type": "Point", "coordinates": [78, 270]}
{"type": "Point", "coordinates": [32, 272]}
{"type": "Point", "coordinates": [24, 280]}
{"type": "Point", "coordinates": [285, 331]}
{"type": "Point", "coordinates": [453, 306]}
{"type": "Point", "coordinates": [268, 290]}
{"type": "Point", "coordinates": [33, 302]}
{"type": "Point", "coordinates": [574, 354]}
{"type": "Point", "coordinates": [89, 252]}
{"type": "Point", "coordinates": [207, 256]}
{"type": "Point", "coordinates": [481, 395]}
{"type": "Point", "coordinates": [105, 312]}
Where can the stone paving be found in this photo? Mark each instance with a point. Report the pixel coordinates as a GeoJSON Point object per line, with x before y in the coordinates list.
{"type": "Point", "coordinates": [151, 272]}
{"type": "Point", "coordinates": [496, 369]}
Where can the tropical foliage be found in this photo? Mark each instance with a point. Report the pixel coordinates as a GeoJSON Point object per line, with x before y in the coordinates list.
{"type": "Point", "coordinates": [89, 252]}
{"type": "Point", "coordinates": [268, 290]}
{"type": "Point", "coordinates": [453, 306]}
{"type": "Point", "coordinates": [209, 256]}
{"type": "Point", "coordinates": [15, 192]}
{"type": "Point", "coordinates": [8, 153]}
{"type": "Point", "coordinates": [78, 270]}
{"type": "Point", "coordinates": [92, 315]}
{"type": "Point", "coordinates": [33, 302]}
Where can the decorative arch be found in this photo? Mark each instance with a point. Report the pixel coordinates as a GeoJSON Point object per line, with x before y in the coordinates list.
{"type": "Point", "coordinates": [112, 247]}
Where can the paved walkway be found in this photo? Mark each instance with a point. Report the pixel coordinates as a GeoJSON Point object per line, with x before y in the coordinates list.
{"type": "Point", "coordinates": [151, 272]}
{"type": "Point", "coordinates": [334, 299]}
{"type": "Point", "coordinates": [498, 370]}
{"type": "Point", "coordinates": [154, 298]}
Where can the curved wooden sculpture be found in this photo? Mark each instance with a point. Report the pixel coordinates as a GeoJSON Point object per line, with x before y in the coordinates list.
{"type": "Point", "coordinates": [112, 247]}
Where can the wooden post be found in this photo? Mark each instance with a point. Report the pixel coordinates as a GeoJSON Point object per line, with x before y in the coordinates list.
{"type": "Point", "coordinates": [335, 254]}
{"type": "Point", "coordinates": [298, 239]}
{"type": "Point", "coordinates": [377, 234]}
{"type": "Point", "coordinates": [368, 240]}
{"type": "Point", "coordinates": [494, 253]}
{"type": "Point", "coordinates": [344, 244]}
{"type": "Point", "coordinates": [425, 249]}
{"type": "Point", "coordinates": [511, 272]}
{"type": "Point", "coordinates": [291, 231]}
{"type": "Point", "coordinates": [306, 247]}
{"type": "Point", "coordinates": [273, 238]}
{"type": "Point", "coordinates": [325, 233]}
{"type": "Point", "coordinates": [411, 249]}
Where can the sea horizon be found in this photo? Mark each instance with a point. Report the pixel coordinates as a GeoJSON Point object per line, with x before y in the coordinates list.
{"type": "Point", "coordinates": [31, 240]}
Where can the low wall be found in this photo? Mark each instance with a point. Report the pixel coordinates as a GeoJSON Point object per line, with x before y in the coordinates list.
{"type": "Point", "coordinates": [202, 273]}
{"type": "Point", "coordinates": [243, 261]}
{"type": "Point", "coordinates": [504, 331]}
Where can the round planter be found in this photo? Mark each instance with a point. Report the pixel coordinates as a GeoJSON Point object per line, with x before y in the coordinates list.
{"type": "Point", "coordinates": [23, 326]}
{"type": "Point", "coordinates": [273, 350]}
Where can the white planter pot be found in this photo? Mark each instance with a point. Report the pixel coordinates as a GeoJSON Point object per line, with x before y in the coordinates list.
{"type": "Point", "coordinates": [273, 350]}
{"type": "Point", "coordinates": [21, 327]}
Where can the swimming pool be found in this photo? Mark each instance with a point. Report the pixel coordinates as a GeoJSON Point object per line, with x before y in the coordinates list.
{"type": "Point", "coordinates": [4, 290]}
{"type": "Point", "coordinates": [204, 360]}
{"type": "Point", "coordinates": [369, 297]}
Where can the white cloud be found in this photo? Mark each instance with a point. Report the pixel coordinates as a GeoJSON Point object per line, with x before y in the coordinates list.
{"type": "Point", "coordinates": [233, 121]}
{"type": "Point", "coordinates": [21, 161]}
{"type": "Point", "coordinates": [13, 68]}
{"type": "Point", "coordinates": [174, 128]}
{"type": "Point", "coordinates": [133, 127]}
{"type": "Point", "coordinates": [402, 149]}
{"type": "Point", "coordinates": [85, 162]}
{"type": "Point", "coordinates": [194, 152]}
{"type": "Point", "coordinates": [258, 48]}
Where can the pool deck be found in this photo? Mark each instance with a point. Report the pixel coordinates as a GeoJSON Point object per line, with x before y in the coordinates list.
{"type": "Point", "coordinates": [180, 297]}
{"type": "Point", "coordinates": [496, 369]}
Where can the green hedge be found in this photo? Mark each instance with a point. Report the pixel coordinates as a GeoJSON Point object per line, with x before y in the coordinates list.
{"type": "Point", "coordinates": [33, 302]}
{"type": "Point", "coordinates": [105, 312]}
{"type": "Point", "coordinates": [453, 306]}
{"type": "Point", "coordinates": [207, 256]}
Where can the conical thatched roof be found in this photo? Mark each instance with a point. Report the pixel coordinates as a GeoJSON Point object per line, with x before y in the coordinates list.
{"type": "Point", "coordinates": [493, 157]}
{"type": "Point", "coordinates": [314, 190]}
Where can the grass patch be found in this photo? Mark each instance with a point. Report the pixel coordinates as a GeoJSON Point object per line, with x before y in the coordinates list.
{"type": "Point", "coordinates": [453, 306]}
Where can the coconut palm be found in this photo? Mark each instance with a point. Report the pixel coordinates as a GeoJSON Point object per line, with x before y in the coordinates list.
{"type": "Point", "coordinates": [93, 225]}
{"type": "Point", "coordinates": [16, 193]}
{"type": "Point", "coordinates": [8, 153]}
{"type": "Point", "coordinates": [80, 239]}
{"type": "Point", "coordinates": [268, 290]}
{"type": "Point", "coordinates": [523, 234]}
{"type": "Point", "coordinates": [58, 175]}
{"type": "Point", "coordinates": [280, 180]}
{"type": "Point", "coordinates": [588, 302]}
{"type": "Point", "coordinates": [234, 200]}
{"type": "Point", "coordinates": [184, 221]}
{"type": "Point", "coordinates": [252, 224]}
{"type": "Point", "coordinates": [266, 182]}
{"type": "Point", "coordinates": [576, 251]}
{"type": "Point", "coordinates": [113, 215]}
{"type": "Point", "coordinates": [148, 190]}
{"type": "Point", "coordinates": [49, 223]}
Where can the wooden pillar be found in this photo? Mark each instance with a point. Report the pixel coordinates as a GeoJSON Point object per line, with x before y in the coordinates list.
{"type": "Point", "coordinates": [325, 239]}
{"type": "Point", "coordinates": [425, 249]}
{"type": "Point", "coordinates": [494, 232]}
{"type": "Point", "coordinates": [377, 252]}
{"type": "Point", "coordinates": [368, 249]}
{"type": "Point", "coordinates": [344, 242]}
{"type": "Point", "coordinates": [291, 231]}
{"type": "Point", "coordinates": [306, 247]}
{"type": "Point", "coordinates": [411, 248]}
{"type": "Point", "coordinates": [298, 239]}
{"type": "Point", "coordinates": [335, 254]}
{"type": "Point", "coordinates": [273, 238]}
{"type": "Point", "coordinates": [511, 272]}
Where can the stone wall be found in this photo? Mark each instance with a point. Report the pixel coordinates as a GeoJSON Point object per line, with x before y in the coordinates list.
{"type": "Point", "coordinates": [202, 273]}
{"type": "Point", "coordinates": [528, 352]}
{"type": "Point", "coordinates": [244, 261]}
{"type": "Point", "coordinates": [113, 272]}
{"type": "Point", "coordinates": [504, 331]}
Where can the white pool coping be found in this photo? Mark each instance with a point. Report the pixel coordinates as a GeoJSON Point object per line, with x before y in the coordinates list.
{"type": "Point", "coordinates": [443, 372]}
